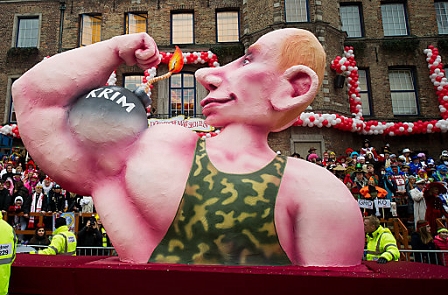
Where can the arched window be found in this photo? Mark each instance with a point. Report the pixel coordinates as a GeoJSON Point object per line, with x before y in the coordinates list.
{"type": "Point", "coordinates": [182, 95]}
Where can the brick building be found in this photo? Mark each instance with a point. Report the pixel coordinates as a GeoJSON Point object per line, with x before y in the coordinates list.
{"type": "Point", "coordinates": [388, 39]}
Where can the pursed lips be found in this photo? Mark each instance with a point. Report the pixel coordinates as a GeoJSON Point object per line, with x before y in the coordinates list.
{"type": "Point", "coordinates": [213, 100]}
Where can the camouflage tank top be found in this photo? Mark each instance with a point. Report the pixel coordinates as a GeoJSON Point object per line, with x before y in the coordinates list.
{"type": "Point", "coordinates": [225, 218]}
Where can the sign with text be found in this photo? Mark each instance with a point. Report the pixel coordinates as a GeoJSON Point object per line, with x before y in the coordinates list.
{"type": "Point", "coordinates": [195, 124]}
{"type": "Point", "coordinates": [366, 204]}
{"type": "Point", "coordinates": [383, 203]}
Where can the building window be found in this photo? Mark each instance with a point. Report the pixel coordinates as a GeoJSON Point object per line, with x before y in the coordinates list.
{"type": "Point", "coordinates": [90, 29]}
{"type": "Point", "coordinates": [442, 16]}
{"type": "Point", "coordinates": [132, 82]}
{"type": "Point", "coordinates": [351, 20]}
{"type": "Point", "coordinates": [402, 91]}
{"type": "Point", "coordinates": [27, 31]}
{"type": "Point", "coordinates": [364, 92]}
{"type": "Point", "coordinates": [12, 118]}
{"type": "Point", "coordinates": [227, 26]}
{"type": "Point", "coordinates": [296, 11]}
{"type": "Point", "coordinates": [136, 23]}
{"type": "Point", "coordinates": [394, 19]}
{"type": "Point", "coordinates": [182, 95]}
{"type": "Point", "coordinates": [182, 28]}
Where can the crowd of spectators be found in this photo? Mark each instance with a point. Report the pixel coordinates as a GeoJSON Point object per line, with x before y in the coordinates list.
{"type": "Point", "coordinates": [24, 188]}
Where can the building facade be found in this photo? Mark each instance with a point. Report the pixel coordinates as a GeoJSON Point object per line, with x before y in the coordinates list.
{"type": "Point", "coordinates": [387, 38]}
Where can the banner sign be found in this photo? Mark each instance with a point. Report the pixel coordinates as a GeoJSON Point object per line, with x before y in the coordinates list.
{"type": "Point", "coordinates": [366, 204]}
{"type": "Point", "coordinates": [195, 124]}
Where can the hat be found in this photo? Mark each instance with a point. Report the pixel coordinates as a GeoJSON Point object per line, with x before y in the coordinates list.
{"type": "Point", "coordinates": [60, 221]}
{"type": "Point", "coordinates": [358, 168]}
{"type": "Point", "coordinates": [386, 150]}
{"type": "Point", "coordinates": [445, 153]}
{"type": "Point", "coordinates": [311, 149]}
{"type": "Point", "coordinates": [18, 198]}
{"type": "Point", "coordinates": [312, 156]}
{"type": "Point", "coordinates": [406, 150]}
{"type": "Point", "coordinates": [442, 168]}
{"type": "Point", "coordinates": [56, 186]}
{"type": "Point", "coordinates": [438, 184]}
{"type": "Point", "coordinates": [421, 155]}
{"type": "Point", "coordinates": [339, 168]}
{"type": "Point", "coordinates": [442, 230]}
{"type": "Point", "coordinates": [420, 181]}
{"type": "Point", "coordinates": [354, 154]}
{"type": "Point", "coordinates": [392, 156]}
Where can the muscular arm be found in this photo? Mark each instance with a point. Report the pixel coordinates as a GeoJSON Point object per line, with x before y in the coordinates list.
{"type": "Point", "coordinates": [44, 96]}
{"type": "Point", "coordinates": [325, 225]}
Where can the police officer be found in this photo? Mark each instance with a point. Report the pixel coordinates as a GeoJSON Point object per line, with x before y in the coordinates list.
{"type": "Point", "coordinates": [8, 243]}
{"type": "Point", "coordinates": [63, 241]}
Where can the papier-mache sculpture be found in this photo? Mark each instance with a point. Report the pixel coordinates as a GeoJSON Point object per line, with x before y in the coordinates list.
{"type": "Point", "coordinates": [166, 195]}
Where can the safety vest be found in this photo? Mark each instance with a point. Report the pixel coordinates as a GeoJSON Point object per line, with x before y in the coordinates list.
{"type": "Point", "coordinates": [104, 234]}
{"type": "Point", "coordinates": [63, 243]}
{"type": "Point", "coordinates": [381, 243]}
{"type": "Point", "coordinates": [8, 243]}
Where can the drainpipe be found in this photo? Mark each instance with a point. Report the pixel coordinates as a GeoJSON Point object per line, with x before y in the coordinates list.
{"type": "Point", "coordinates": [61, 24]}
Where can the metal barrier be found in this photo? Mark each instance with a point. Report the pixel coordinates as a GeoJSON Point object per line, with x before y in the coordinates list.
{"type": "Point", "coordinates": [439, 257]}
{"type": "Point", "coordinates": [80, 251]}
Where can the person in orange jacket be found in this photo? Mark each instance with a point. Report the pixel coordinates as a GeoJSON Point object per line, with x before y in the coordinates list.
{"type": "Point", "coordinates": [372, 192]}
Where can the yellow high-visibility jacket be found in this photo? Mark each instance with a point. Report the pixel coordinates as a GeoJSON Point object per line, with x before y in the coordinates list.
{"type": "Point", "coordinates": [63, 242]}
{"type": "Point", "coordinates": [8, 244]}
{"type": "Point", "coordinates": [381, 243]}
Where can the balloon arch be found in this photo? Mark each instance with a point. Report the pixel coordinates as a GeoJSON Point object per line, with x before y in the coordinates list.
{"type": "Point", "coordinates": [346, 66]}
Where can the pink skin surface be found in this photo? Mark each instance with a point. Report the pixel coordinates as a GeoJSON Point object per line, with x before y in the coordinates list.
{"type": "Point", "coordinates": [137, 182]}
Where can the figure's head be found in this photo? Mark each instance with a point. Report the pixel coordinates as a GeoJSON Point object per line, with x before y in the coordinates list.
{"type": "Point", "coordinates": [60, 221]}
{"type": "Point", "coordinates": [269, 86]}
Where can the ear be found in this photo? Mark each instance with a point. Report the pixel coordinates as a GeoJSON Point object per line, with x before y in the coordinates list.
{"type": "Point", "coordinates": [300, 86]}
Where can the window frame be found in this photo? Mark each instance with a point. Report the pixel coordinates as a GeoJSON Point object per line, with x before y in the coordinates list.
{"type": "Point", "coordinates": [135, 82]}
{"type": "Point", "coordinates": [173, 13]}
{"type": "Point", "coordinates": [414, 91]}
{"type": "Point", "coordinates": [367, 92]}
{"type": "Point", "coordinates": [217, 12]}
{"type": "Point", "coordinates": [182, 88]}
{"type": "Point", "coordinates": [405, 19]}
{"type": "Point", "coordinates": [16, 29]}
{"type": "Point", "coordinates": [440, 29]}
{"type": "Point", "coordinates": [360, 18]}
{"type": "Point", "coordinates": [81, 28]}
{"type": "Point", "coordinates": [126, 22]}
{"type": "Point", "coordinates": [294, 4]}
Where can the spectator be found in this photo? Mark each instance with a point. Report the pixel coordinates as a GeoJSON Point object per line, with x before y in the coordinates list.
{"type": "Point", "coordinates": [443, 158]}
{"type": "Point", "coordinates": [47, 185]}
{"type": "Point", "coordinates": [90, 235]}
{"type": "Point", "coordinates": [31, 182]}
{"type": "Point", "coordinates": [441, 174]}
{"type": "Point", "coordinates": [410, 185]}
{"type": "Point", "coordinates": [422, 239]}
{"type": "Point", "coordinates": [18, 222]}
{"type": "Point", "coordinates": [381, 244]}
{"type": "Point", "coordinates": [372, 192]}
{"type": "Point", "coordinates": [73, 201]}
{"type": "Point", "coordinates": [312, 150]}
{"type": "Point", "coordinates": [441, 242]}
{"type": "Point", "coordinates": [36, 203]}
{"type": "Point", "coordinates": [63, 241]}
{"type": "Point", "coordinates": [39, 238]}
{"type": "Point", "coordinates": [5, 198]}
{"type": "Point", "coordinates": [418, 200]}
{"type": "Point", "coordinates": [406, 153]}
{"type": "Point", "coordinates": [9, 172]}
{"type": "Point", "coordinates": [86, 203]}
{"type": "Point", "coordinates": [58, 201]}
{"type": "Point", "coordinates": [434, 204]}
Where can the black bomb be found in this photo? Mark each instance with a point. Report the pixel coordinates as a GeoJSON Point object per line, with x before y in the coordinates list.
{"type": "Point", "coordinates": [109, 113]}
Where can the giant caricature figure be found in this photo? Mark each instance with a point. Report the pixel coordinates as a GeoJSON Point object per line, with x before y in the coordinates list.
{"type": "Point", "coordinates": [166, 196]}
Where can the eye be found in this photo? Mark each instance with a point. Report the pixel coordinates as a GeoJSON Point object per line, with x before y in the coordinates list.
{"type": "Point", "coordinates": [246, 61]}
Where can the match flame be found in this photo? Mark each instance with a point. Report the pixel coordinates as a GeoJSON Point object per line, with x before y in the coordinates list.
{"type": "Point", "coordinates": [176, 62]}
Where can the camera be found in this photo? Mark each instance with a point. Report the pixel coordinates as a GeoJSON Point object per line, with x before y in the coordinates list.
{"type": "Point", "coordinates": [92, 221]}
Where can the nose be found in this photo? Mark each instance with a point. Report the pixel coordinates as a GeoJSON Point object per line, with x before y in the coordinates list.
{"type": "Point", "coordinates": [209, 78]}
